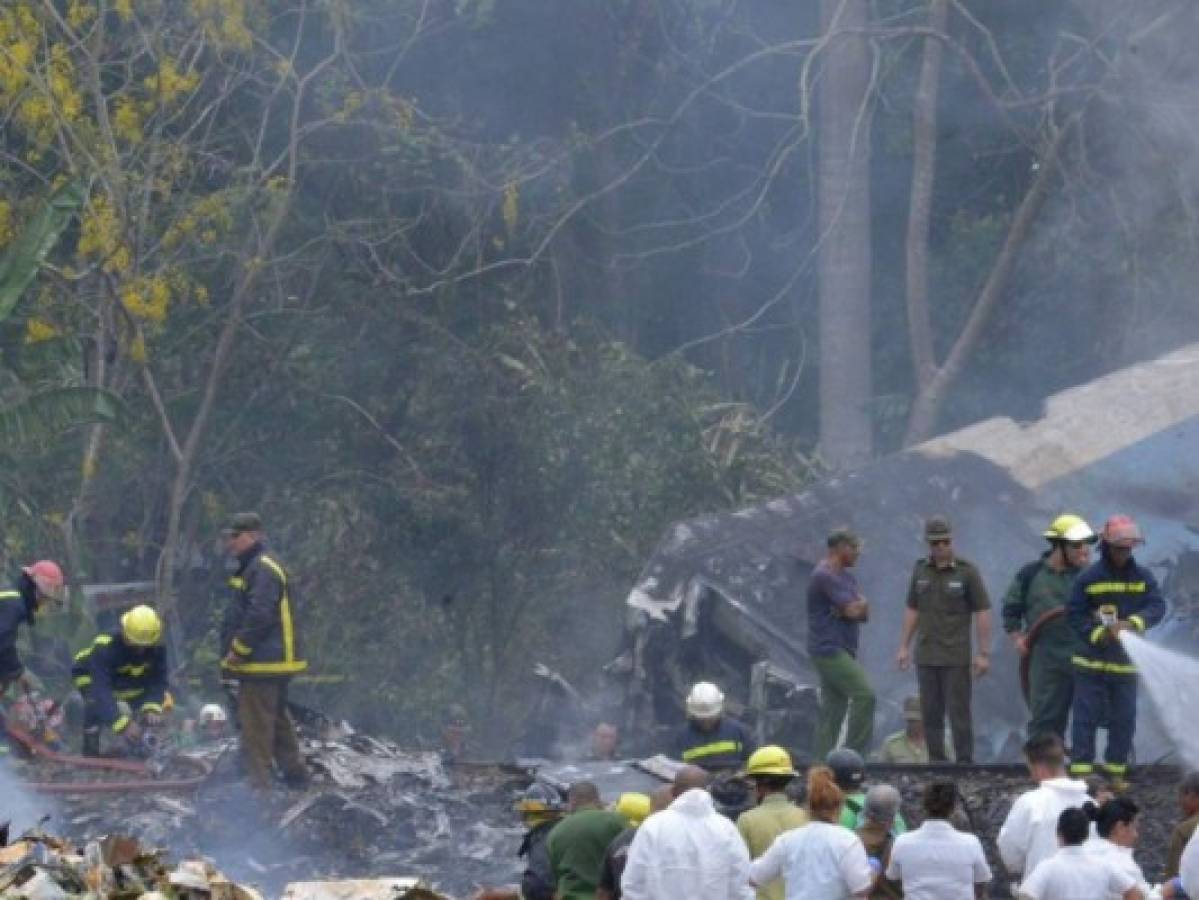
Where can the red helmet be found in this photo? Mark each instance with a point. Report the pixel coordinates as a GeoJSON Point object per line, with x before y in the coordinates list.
{"type": "Point", "coordinates": [1122, 531]}
{"type": "Point", "coordinates": [47, 575]}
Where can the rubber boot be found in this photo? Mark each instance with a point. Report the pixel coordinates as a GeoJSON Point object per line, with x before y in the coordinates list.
{"type": "Point", "coordinates": [91, 742]}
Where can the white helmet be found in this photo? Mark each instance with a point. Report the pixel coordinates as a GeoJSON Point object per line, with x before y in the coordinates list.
{"type": "Point", "coordinates": [211, 712]}
{"type": "Point", "coordinates": [705, 701]}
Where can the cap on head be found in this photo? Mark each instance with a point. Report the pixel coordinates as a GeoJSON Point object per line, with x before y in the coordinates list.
{"type": "Point", "coordinates": [911, 709]}
{"type": "Point", "coordinates": [141, 627]}
{"type": "Point", "coordinates": [706, 701]}
{"type": "Point", "coordinates": [243, 522]}
{"type": "Point", "coordinates": [47, 576]}
{"type": "Point", "coordinates": [634, 807]}
{"type": "Point", "coordinates": [770, 761]}
{"type": "Point", "coordinates": [840, 537]}
{"type": "Point", "coordinates": [1071, 528]}
{"type": "Point", "coordinates": [849, 769]}
{"type": "Point", "coordinates": [937, 528]}
{"type": "Point", "coordinates": [1122, 531]}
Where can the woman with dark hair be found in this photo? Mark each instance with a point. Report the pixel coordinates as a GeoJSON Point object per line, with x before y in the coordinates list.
{"type": "Point", "coordinates": [1074, 874]}
{"type": "Point", "coordinates": [822, 860]}
{"type": "Point", "coordinates": [1116, 823]}
{"type": "Point", "coordinates": [936, 861]}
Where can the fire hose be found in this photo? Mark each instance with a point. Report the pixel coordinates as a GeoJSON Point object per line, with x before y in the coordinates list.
{"type": "Point", "coordinates": [1045, 620]}
{"type": "Point", "coordinates": [145, 783]}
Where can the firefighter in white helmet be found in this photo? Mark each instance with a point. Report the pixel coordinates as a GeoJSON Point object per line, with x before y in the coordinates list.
{"type": "Point", "coordinates": [214, 722]}
{"type": "Point", "coordinates": [1034, 617]}
{"type": "Point", "coordinates": [710, 738]}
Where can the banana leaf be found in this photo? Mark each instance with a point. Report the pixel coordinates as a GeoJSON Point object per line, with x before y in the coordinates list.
{"type": "Point", "coordinates": [41, 417]}
{"type": "Point", "coordinates": [21, 260]}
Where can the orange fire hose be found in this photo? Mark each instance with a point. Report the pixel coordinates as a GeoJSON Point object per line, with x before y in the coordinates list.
{"type": "Point", "coordinates": [1033, 633]}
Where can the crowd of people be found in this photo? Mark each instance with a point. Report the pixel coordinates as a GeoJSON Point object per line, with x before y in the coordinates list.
{"type": "Point", "coordinates": [833, 836]}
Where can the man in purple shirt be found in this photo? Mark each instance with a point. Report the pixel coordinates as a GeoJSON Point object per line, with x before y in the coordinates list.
{"type": "Point", "coordinates": [836, 609]}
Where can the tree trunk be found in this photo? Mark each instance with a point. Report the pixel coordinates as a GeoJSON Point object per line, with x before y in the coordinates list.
{"type": "Point", "coordinates": [923, 418]}
{"type": "Point", "coordinates": [843, 188]}
{"type": "Point", "coordinates": [924, 167]}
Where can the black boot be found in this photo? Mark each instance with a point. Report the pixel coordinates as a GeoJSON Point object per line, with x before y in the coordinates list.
{"type": "Point", "coordinates": [91, 742]}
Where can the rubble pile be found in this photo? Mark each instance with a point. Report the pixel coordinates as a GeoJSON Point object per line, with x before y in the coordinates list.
{"type": "Point", "coordinates": [39, 866]}
{"type": "Point", "coordinates": [373, 809]}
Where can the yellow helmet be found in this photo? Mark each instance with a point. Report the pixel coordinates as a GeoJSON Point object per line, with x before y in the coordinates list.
{"type": "Point", "coordinates": [141, 627]}
{"type": "Point", "coordinates": [1072, 528]}
{"type": "Point", "coordinates": [770, 760]}
{"type": "Point", "coordinates": [634, 807]}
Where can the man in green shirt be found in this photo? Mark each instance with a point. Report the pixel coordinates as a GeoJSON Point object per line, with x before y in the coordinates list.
{"type": "Point", "coordinates": [1034, 618]}
{"type": "Point", "coordinates": [945, 593]}
{"type": "Point", "coordinates": [770, 770]}
{"type": "Point", "coordinates": [577, 844]}
{"type": "Point", "coordinates": [907, 747]}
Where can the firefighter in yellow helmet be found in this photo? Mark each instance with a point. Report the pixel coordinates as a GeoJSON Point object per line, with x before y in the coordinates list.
{"type": "Point", "coordinates": [1034, 617]}
{"type": "Point", "coordinates": [770, 770]}
{"type": "Point", "coordinates": [122, 677]}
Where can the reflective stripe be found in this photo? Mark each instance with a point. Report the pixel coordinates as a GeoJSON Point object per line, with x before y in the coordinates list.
{"type": "Point", "coordinates": [83, 654]}
{"type": "Point", "coordinates": [151, 707]}
{"type": "Point", "coordinates": [237, 582]}
{"type": "Point", "coordinates": [83, 681]}
{"type": "Point", "coordinates": [129, 693]}
{"type": "Point", "coordinates": [103, 639]}
{"type": "Point", "coordinates": [10, 595]}
{"type": "Point", "coordinates": [134, 671]}
{"type": "Point", "coordinates": [1098, 665]}
{"type": "Point", "coordinates": [1115, 587]}
{"type": "Point", "coordinates": [1097, 634]}
{"type": "Point", "coordinates": [714, 749]}
{"type": "Point", "coordinates": [1115, 768]}
{"type": "Point", "coordinates": [289, 638]}
{"type": "Point", "coordinates": [1138, 623]}
{"type": "Point", "coordinates": [1081, 768]}
{"type": "Point", "coordinates": [120, 724]}
{"type": "Point", "coordinates": [241, 649]}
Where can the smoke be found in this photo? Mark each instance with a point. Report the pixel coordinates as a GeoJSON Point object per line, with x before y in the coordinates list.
{"type": "Point", "coordinates": [1171, 680]}
{"type": "Point", "coordinates": [20, 808]}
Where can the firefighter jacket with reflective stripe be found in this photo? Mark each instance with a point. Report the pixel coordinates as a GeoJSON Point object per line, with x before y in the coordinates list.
{"type": "Point", "coordinates": [16, 606]}
{"type": "Point", "coordinates": [260, 629]}
{"type": "Point", "coordinates": [726, 746]}
{"type": "Point", "coordinates": [1130, 594]}
{"type": "Point", "coordinates": [110, 670]}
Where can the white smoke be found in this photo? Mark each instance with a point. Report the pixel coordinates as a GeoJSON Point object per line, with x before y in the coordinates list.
{"type": "Point", "coordinates": [21, 809]}
{"type": "Point", "coordinates": [1172, 681]}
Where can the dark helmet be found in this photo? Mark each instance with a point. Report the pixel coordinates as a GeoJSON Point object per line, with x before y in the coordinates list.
{"type": "Point", "coordinates": [848, 768]}
{"type": "Point", "coordinates": [540, 797]}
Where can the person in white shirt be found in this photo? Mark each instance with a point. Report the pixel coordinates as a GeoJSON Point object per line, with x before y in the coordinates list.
{"type": "Point", "coordinates": [936, 861]}
{"type": "Point", "coordinates": [821, 861]}
{"type": "Point", "coordinates": [687, 850]}
{"type": "Point", "coordinates": [1116, 822]}
{"type": "Point", "coordinates": [1029, 834]}
{"type": "Point", "coordinates": [1074, 874]}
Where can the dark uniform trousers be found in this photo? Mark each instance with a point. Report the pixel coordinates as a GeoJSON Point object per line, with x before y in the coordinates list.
{"type": "Point", "coordinates": [1104, 699]}
{"type": "Point", "coordinates": [267, 732]}
{"type": "Point", "coordinates": [946, 689]}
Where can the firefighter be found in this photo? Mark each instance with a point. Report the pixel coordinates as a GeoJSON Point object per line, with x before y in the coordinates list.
{"type": "Point", "coordinates": [541, 808]}
{"type": "Point", "coordinates": [710, 739]}
{"type": "Point", "coordinates": [262, 653]}
{"type": "Point", "coordinates": [122, 677]}
{"type": "Point", "coordinates": [36, 586]}
{"type": "Point", "coordinates": [1034, 618]}
{"type": "Point", "coordinates": [1113, 595]}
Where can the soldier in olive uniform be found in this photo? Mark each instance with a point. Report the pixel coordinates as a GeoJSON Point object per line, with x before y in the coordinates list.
{"type": "Point", "coordinates": [945, 594]}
